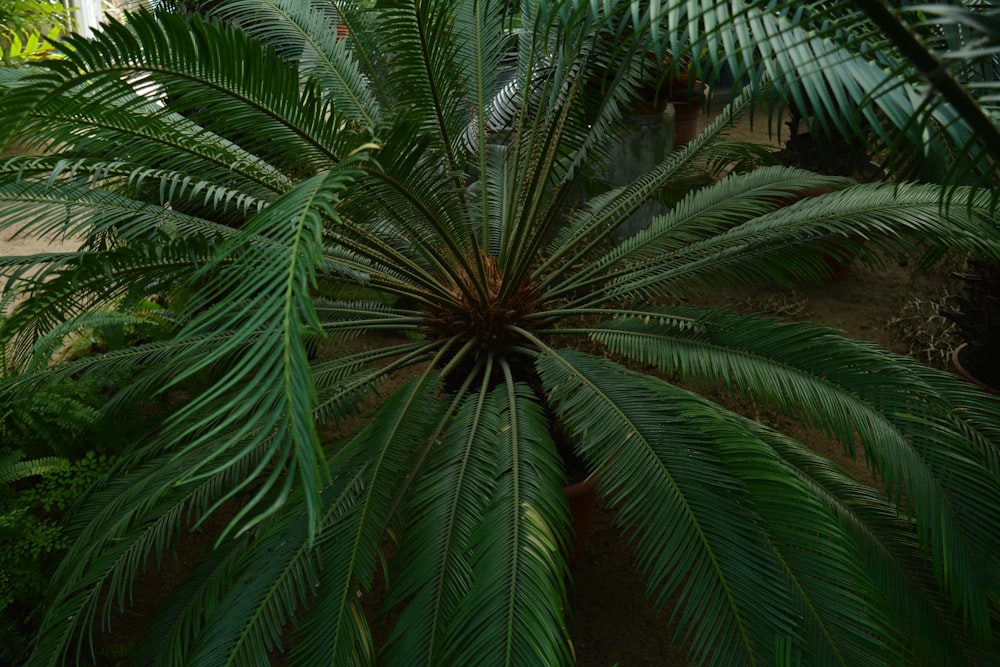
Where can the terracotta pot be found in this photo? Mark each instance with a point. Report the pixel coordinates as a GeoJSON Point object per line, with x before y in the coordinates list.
{"type": "Point", "coordinates": [687, 122]}
{"type": "Point", "coordinates": [687, 115]}
{"type": "Point", "coordinates": [956, 365]}
{"type": "Point", "coordinates": [582, 498]}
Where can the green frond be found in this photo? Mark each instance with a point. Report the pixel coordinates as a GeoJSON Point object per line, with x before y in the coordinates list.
{"type": "Point", "coordinates": [123, 524]}
{"type": "Point", "coordinates": [68, 292]}
{"type": "Point", "coordinates": [776, 243]}
{"type": "Point", "coordinates": [12, 468]}
{"type": "Point", "coordinates": [154, 135]}
{"type": "Point", "coordinates": [216, 73]}
{"type": "Point", "coordinates": [428, 72]}
{"type": "Point", "coordinates": [245, 598]}
{"type": "Point", "coordinates": [449, 499]}
{"type": "Point", "coordinates": [887, 546]}
{"type": "Point", "coordinates": [606, 211]}
{"type": "Point", "coordinates": [334, 631]}
{"type": "Point", "coordinates": [145, 370]}
{"type": "Point", "coordinates": [483, 58]}
{"type": "Point", "coordinates": [737, 199]}
{"type": "Point", "coordinates": [175, 190]}
{"type": "Point", "coordinates": [29, 207]}
{"type": "Point", "coordinates": [513, 612]}
{"type": "Point", "coordinates": [754, 559]}
{"type": "Point", "coordinates": [343, 383]}
{"type": "Point", "coordinates": [174, 629]}
{"type": "Point", "coordinates": [552, 137]}
{"type": "Point", "coordinates": [268, 288]}
{"type": "Point", "coordinates": [49, 343]}
{"type": "Point", "coordinates": [913, 438]}
{"type": "Point", "coordinates": [421, 216]}
{"type": "Point", "coordinates": [309, 34]}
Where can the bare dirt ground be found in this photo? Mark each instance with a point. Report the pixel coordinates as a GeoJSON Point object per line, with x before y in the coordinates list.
{"type": "Point", "coordinates": [15, 245]}
{"type": "Point", "coordinates": [12, 244]}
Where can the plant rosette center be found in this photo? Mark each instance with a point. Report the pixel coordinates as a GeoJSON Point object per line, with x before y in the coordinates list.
{"type": "Point", "coordinates": [483, 307]}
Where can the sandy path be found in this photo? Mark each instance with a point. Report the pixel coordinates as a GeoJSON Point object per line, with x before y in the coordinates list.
{"type": "Point", "coordinates": [12, 246]}
{"type": "Point", "coordinates": [29, 246]}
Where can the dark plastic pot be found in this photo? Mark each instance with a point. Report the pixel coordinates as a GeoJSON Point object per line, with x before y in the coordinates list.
{"type": "Point", "coordinates": [958, 367]}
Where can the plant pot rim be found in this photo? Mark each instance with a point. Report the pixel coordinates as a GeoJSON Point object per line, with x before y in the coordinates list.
{"type": "Point", "coordinates": [959, 368]}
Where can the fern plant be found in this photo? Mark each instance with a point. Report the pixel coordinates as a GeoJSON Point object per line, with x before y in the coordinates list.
{"type": "Point", "coordinates": [34, 494]}
{"type": "Point", "coordinates": [27, 541]}
{"type": "Point", "coordinates": [474, 320]}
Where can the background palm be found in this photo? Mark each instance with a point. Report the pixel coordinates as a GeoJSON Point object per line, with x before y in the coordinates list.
{"type": "Point", "coordinates": [243, 189]}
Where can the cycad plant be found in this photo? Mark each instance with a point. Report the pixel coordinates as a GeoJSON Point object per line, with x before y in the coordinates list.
{"type": "Point", "coordinates": [392, 319]}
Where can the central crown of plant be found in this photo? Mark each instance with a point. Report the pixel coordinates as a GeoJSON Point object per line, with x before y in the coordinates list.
{"type": "Point", "coordinates": [484, 306]}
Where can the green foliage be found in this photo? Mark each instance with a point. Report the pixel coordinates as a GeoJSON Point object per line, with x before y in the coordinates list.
{"type": "Point", "coordinates": [33, 495]}
{"type": "Point", "coordinates": [476, 318]}
{"type": "Point", "coordinates": [51, 421]}
{"type": "Point", "coordinates": [27, 28]}
{"type": "Point", "coordinates": [34, 45]}
{"type": "Point", "coordinates": [26, 16]}
{"type": "Point", "coordinates": [61, 486]}
{"type": "Point", "coordinates": [65, 418]}
{"type": "Point", "coordinates": [13, 469]}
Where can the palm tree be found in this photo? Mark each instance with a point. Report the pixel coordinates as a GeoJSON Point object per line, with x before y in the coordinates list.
{"type": "Point", "coordinates": [392, 321]}
{"type": "Point", "coordinates": [923, 75]}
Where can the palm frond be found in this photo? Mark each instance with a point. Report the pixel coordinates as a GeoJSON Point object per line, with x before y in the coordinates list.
{"type": "Point", "coordinates": [600, 217]}
{"type": "Point", "coordinates": [309, 34]}
{"type": "Point", "coordinates": [429, 72]}
{"type": "Point", "coordinates": [334, 631]}
{"type": "Point", "coordinates": [449, 499]}
{"type": "Point", "coordinates": [70, 285]}
{"type": "Point", "coordinates": [120, 525]}
{"type": "Point", "coordinates": [483, 56]}
{"type": "Point", "coordinates": [960, 67]}
{"type": "Point", "coordinates": [905, 219]}
{"type": "Point", "coordinates": [889, 549]}
{"type": "Point", "coordinates": [923, 452]}
{"type": "Point", "coordinates": [178, 623]}
{"type": "Point", "coordinates": [899, 77]}
{"type": "Point", "coordinates": [175, 190]}
{"type": "Point", "coordinates": [280, 314]}
{"type": "Point", "coordinates": [512, 614]}
{"type": "Point", "coordinates": [345, 382]}
{"type": "Point", "coordinates": [743, 546]}
{"type": "Point", "coordinates": [117, 123]}
{"type": "Point", "coordinates": [29, 207]}
{"type": "Point", "coordinates": [422, 219]}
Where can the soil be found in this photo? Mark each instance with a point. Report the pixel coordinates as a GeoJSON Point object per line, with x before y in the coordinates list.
{"type": "Point", "coordinates": [613, 623]}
